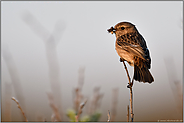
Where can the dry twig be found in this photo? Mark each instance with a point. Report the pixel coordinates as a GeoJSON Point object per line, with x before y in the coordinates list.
{"type": "Point", "coordinates": [56, 114]}
{"type": "Point", "coordinates": [80, 110]}
{"type": "Point", "coordinates": [14, 76]}
{"type": "Point", "coordinates": [96, 100]}
{"type": "Point", "coordinates": [13, 98]}
{"type": "Point", "coordinates": [78, 96]}
{"type": "Point", "coordinates": [109, 117]}
{"type": "Point", "coordinates": [77, 99]}
{"type": "Point", "coordinates": [50, 40]}
{"type": "Point", "coordinates": [131, 95]}
{"type": "Point", "coordinates": [128, 113]}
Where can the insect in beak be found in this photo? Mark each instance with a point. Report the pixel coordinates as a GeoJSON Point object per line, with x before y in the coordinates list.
{"type": "Point", "coordinates": [111, 30]}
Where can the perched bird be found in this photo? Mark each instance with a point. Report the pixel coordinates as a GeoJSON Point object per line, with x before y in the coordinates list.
{"type": "Point", "coordinates": [131, 47]}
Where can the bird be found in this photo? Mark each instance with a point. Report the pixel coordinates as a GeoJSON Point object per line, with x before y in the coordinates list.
{"type": "Point", "coordinates": [131, 47]}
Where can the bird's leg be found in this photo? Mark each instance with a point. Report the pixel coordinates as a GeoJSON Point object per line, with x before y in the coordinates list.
{"type": "Point", "coordinates": [130, 84]}
{"type": "Point", "coordinates": [121, 59]}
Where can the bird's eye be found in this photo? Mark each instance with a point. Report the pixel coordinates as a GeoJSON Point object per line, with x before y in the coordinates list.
{"type": "Point", "coordinates": [122, 28]}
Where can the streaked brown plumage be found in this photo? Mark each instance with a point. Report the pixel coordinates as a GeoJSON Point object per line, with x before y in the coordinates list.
{"type": "Point", "coordinates": [131, 47]}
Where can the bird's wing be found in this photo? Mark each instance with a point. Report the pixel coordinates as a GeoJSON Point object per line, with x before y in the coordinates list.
{"type": "Point", "coordinates": [146, 51]}
{"type": "Point", "coordinates": [130, 46]}
{"type": "Point", "coordinates": [135, 44]}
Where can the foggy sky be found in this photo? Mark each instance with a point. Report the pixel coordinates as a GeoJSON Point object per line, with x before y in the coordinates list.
{"type": "Point", "coordinates": [86, 42]}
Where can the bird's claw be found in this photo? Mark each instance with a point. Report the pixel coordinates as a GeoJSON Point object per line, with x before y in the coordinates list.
{"type": "Point", "coordinates": [130, 85]}
{"type": "Point", "coordinates": [121, 60]}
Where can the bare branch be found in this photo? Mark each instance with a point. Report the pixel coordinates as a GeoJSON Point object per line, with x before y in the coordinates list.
{"type": "Point", "coordinates": [80, 110]}
{"type": "Point", "coordinates": [131, 95]}
{"type": "Point", "coordinates": [13, 98]}
{"type": "Point", "coordinates": [50, 40]}
{"type": "Point", "coordinates": [128, 113]}
{"type": "Point", "coordinates": [56, 114]}
{"type": "Point", "coordinates": [109, 117]}
{"type": "Point", "coordinates": [14, 76]}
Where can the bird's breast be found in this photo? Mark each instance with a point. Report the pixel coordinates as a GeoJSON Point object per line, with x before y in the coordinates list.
{"type": "Point", "coordinates": [124, 54]}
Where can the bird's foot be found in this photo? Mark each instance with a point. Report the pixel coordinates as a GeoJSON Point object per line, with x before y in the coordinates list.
{"type": "Point", "coordinates": [129, 85]}
{"type": "Point", "coordinates": [121, 59]}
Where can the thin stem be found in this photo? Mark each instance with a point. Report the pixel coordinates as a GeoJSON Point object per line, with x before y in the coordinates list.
{"type": "Point", "coordinates": [131, 94]}
{"type": "Point", "coordinates": [109, 117]}
{"type": "Point", "coordinates": [131, 104]}
{"type": "Point", "coordinates": [127, 73]}
{"type": "Point", "coordinates": [128, 113]}
{"type": "Point", "coordinates": [80, 110]}
{"type": "Point", "coordinates": [54, 107]}
{"type": "Point", "coordinates": [13, 98]}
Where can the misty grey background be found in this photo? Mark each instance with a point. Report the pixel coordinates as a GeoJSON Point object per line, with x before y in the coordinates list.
{"type": "Point", "coordinates": [86, 42]}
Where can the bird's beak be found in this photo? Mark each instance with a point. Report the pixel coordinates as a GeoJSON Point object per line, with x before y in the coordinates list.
{"type": "Point", "coordinates": [111, 30]}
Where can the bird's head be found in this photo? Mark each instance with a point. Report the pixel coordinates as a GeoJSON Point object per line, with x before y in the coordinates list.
{"type": "Point", "coordinates": [122, 28]}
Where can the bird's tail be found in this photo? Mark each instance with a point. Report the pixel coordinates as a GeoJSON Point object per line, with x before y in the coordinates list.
{"type": "Point", "coordinates": [142, 74]}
